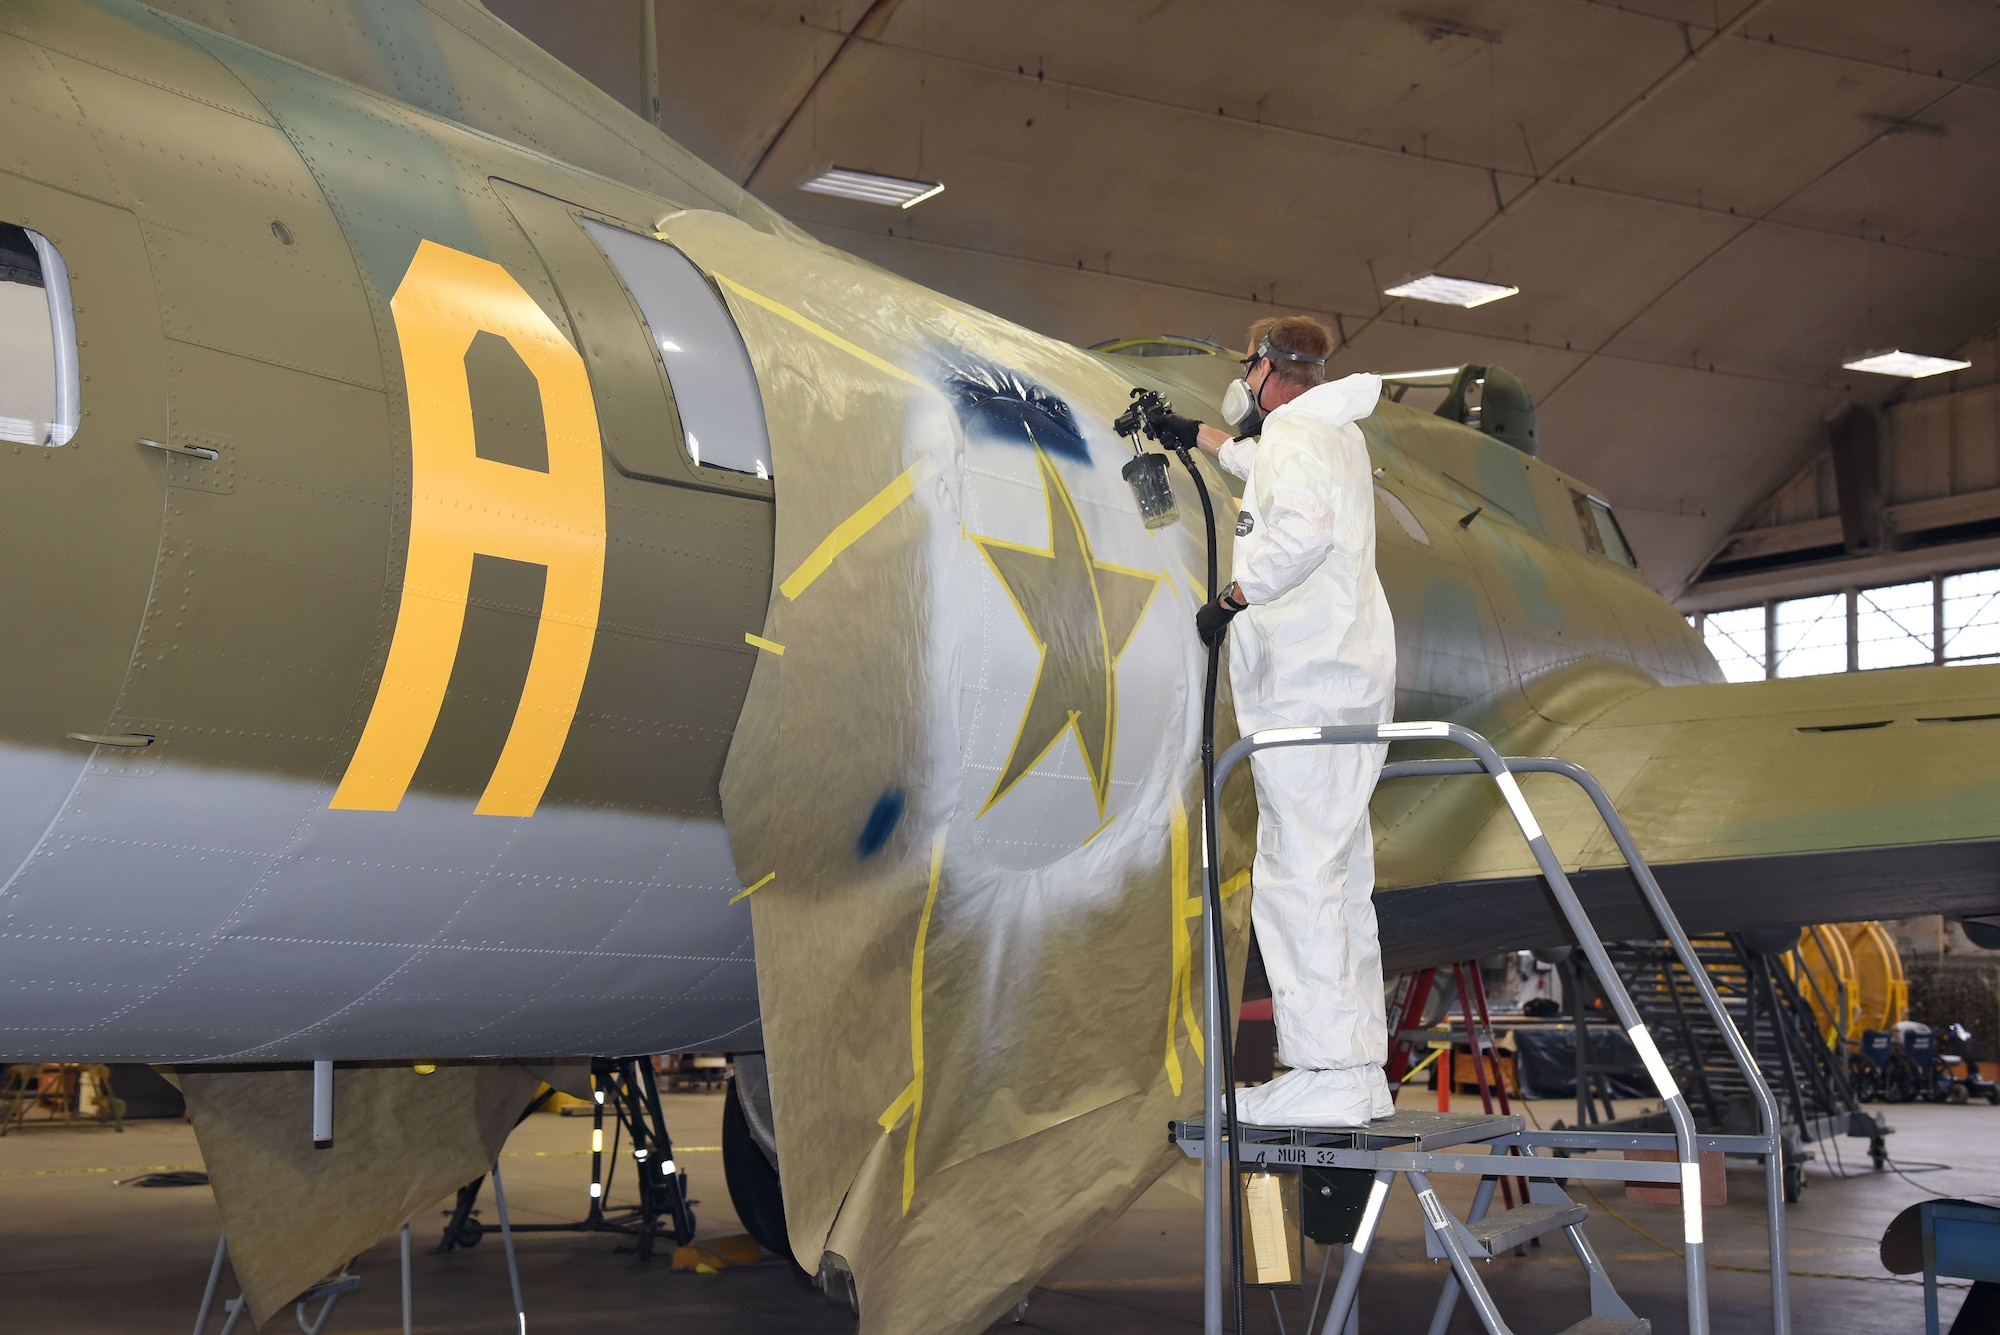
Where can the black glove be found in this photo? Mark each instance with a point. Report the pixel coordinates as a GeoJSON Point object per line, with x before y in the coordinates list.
{"type": "Point", "coordinates": [1211, 623]}
{"type": "Point", "coordinates": [1169, 426]}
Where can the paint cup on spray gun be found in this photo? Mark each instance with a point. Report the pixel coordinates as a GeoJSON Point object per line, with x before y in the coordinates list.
{"type": "Point", "coordinates": [1146, 473]}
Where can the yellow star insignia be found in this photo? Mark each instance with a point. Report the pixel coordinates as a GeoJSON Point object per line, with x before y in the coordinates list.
{"type": "Point", "coordinates": [1081, 613]}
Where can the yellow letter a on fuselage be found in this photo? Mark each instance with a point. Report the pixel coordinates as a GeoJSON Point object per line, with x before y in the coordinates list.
{"type": "Point", "coordinates": [461, 504]}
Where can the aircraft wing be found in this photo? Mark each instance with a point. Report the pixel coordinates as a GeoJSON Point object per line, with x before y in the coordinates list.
{"type": "Point", "coordinates": [1816, 799]}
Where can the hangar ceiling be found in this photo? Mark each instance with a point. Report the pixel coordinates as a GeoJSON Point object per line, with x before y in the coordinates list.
{"type": "Point", "coordinates": [1708, 205]}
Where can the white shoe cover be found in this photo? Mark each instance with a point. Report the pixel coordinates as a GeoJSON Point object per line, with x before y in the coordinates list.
{"type": "Point", "coordinates": [1327, 1100]}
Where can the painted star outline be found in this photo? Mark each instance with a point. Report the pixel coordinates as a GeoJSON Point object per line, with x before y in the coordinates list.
{"type": "Point", "coordinates": [1081, 614]}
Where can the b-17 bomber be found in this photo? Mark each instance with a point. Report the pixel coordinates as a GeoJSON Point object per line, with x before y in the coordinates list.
{"type": "Point", "coordinates": [485, 590]}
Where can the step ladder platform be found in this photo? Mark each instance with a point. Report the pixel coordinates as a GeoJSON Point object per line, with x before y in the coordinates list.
{"type": "Point", "coordinates": [1411, 1130]}
{"type": "Point", "coordinates": [1418, 1129]}
{"type": "Point", "coordinates": [1508, 1229]}
{"type": "Point", "coordinates": [1609, 1325]}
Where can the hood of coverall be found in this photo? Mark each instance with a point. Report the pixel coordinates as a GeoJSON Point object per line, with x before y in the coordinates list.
{"type": "Point", "coordinates": [1336, 403]}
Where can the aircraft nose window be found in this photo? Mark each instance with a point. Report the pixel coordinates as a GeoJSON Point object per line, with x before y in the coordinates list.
{"type": "Point", "coordinates": [715, 387]}
{"type": "Point", "coordinates": [38, 380]}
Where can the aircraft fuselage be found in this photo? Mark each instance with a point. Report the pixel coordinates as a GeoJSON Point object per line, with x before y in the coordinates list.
{"type": "Point", "coordinates": [377, 639]}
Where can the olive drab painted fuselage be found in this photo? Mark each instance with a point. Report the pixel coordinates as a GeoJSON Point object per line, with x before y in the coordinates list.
{"type": "Point", "coordinates": [375, 644]}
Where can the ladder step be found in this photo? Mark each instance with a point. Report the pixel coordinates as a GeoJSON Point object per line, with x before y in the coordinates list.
{"type": "Point", "coordinates": [1510, 1228]}
{"type": "Point", "coordinates": [1609, 1325]}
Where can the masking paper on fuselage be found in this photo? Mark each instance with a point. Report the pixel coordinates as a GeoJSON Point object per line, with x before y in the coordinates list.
{"type": "Point", "coordinates": [965, 795]}
{"type": "Point", "coordinates": [401, 1142]}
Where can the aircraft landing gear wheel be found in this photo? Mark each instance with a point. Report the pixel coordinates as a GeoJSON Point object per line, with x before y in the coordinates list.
{"type": "Point", "coordinates": [753, 1182]}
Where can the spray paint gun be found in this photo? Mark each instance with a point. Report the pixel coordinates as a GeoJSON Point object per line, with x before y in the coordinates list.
{"type": "Point", "coordinates": [1146, 473]}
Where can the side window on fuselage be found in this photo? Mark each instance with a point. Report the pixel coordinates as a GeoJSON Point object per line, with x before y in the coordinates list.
{"type": "Point", "coordinates": [714, 384]}
{"type": "Point", "coordinates": [1601, 533]}
{"type": "Point", "coordinates": [1587, 522]}
{"type": "Point", "coordinates": [38, 377]}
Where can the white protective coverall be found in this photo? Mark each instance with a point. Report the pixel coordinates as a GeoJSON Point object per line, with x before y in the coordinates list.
{"type": "Point", "coordinates": [1315, 646]}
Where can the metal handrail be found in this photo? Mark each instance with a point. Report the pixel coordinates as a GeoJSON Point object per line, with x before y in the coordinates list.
{"type": "Point", "coordinates": [1839, 1015]}
{"type": "Point", "coordinates": [1663, 913]}
{"type": "Point", "coordinates": [1487, 760]}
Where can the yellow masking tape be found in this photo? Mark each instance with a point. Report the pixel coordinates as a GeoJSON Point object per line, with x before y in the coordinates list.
{"type": "Point", "coordinates": [894, 1113]}
{"type": "Point", "coordinates": [1099, 830]}
{"type": "Point", "coordinates": [911, 1100]}
{"type": "Point", "coordinates": [748, 891]}
{"type": "Point", "coordinates": [759, 642]}
{"type": "Point", "coordinates": [819, 331]}
{"type": "Point", "coordinates": [850, 531]}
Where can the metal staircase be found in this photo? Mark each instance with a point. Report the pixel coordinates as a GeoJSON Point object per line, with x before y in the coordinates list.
{"type": "Point", "coordinates": [1816, 1102]}
{"type": "Point", "coordinates": [1414, 1145]}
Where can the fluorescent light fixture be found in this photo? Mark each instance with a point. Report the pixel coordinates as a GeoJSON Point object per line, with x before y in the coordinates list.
{"type": "Point", "coordinates": [1436, 375]}
{"type": "Point", "coordinates": [1466, 292]}
{"type": "Point", "coordinates": [1914, 365]}
{"type": "Point", "coordinates": [872, 187]}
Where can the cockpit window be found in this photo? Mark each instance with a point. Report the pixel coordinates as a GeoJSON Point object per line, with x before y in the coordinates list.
{"type": "Point", "coordinates": [38, 380]}
{"type": "Point", "coordinates": [1601, 533]}
{"type": "Point", "coordinates": [715, 386]}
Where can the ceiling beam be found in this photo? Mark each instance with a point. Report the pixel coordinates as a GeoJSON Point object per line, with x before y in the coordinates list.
{"type": "Point", "coordinates": [1730, 240]}
{"type": "Point", "coordinates": [871, 22]}
{"type": "Point", "coordinates": [1505, 176]}
{"type": "Point", "coordinates": [1772, 41]}
{"type": "Point", "coordinates": [1576, 151]}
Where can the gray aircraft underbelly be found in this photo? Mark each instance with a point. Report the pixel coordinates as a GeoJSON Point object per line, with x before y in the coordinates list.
{"type": "Point", "coordinates": [173, 913]}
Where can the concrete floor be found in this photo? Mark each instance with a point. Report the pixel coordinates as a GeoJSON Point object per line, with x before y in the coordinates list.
{"type": "Point", "coordinates": [82, 1255]}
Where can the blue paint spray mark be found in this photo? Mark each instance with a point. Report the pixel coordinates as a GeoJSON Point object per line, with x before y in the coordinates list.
{"type": "Point", "coordinates": [881, 823]}
{"type": "Point", "coordinates": [1001, 405]}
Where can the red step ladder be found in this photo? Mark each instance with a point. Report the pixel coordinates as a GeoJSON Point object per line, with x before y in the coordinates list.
{"type": "Point", "coordinates": [1406, 1035]}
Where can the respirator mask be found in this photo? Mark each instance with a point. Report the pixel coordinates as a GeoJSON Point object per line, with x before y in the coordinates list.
{"type": "Point", "coordinates": [1243, 409]}
{"type": "Point", "coordinates": [1239, 409]}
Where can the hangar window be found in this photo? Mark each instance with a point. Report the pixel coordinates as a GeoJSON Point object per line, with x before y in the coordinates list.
{"type": "Point", "coordinates": [1970, 606]}
{"type": "Point", "coordinates": [38, 377]}
{"type": "Point", "coordinates": [1942, 619]}
{"type": "Point", "coordinates": [1893, 625]}
{"type": "Point", "coordinates": [1736, 638]}
{"type": "Point", "coordinates": [1809, 636]}
{"type": "Point", "coordinates": [715, 386]}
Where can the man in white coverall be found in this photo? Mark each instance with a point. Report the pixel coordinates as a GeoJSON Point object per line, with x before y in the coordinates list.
{"type": "Point", "coordinates": [1313, 645]}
